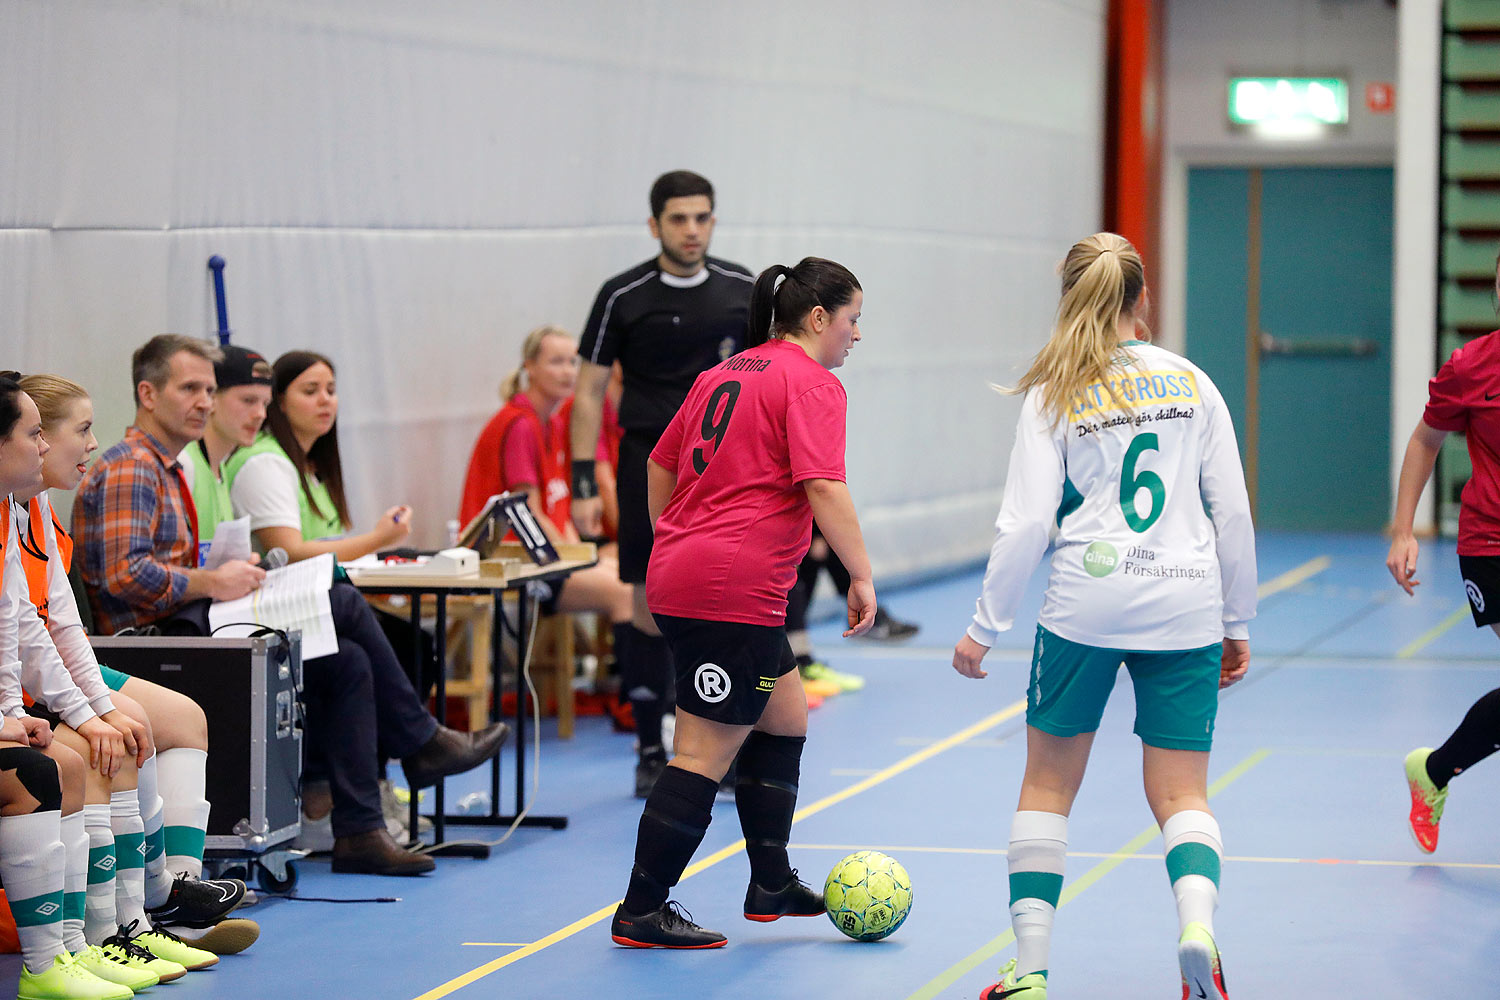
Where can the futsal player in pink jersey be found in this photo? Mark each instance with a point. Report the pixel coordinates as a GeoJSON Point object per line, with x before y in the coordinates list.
{"type": "Point", "coordinates": [753, 455]}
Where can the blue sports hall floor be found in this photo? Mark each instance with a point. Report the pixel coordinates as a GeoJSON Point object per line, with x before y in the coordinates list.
{"type": "Point", "coordinates": [1324, 893]}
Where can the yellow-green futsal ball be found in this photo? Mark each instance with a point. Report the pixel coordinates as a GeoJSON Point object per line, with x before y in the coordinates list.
{"type": "Point", "coordinates": [868, 895]}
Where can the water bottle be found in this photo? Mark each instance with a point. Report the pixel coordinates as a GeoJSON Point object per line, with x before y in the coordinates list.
{"type": "Point", "coordinates": [453, 529]}
{"type": "Point", "coordinates": [474, 804]}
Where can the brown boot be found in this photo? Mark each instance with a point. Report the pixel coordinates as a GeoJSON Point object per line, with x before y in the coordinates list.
{"type": "Point", "coordinates": [376, 853]}
{"type": "Point", "coordinates": [452, 752]}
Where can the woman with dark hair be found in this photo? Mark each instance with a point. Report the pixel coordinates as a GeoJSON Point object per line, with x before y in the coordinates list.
{"type": "Point", "coordinates": [291, 481]}
{"type": "Point", "coordinates": [752, 456]}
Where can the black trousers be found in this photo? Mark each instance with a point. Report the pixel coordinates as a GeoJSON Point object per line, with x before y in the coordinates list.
{"type": "Point", "coordinates": [361, 707]}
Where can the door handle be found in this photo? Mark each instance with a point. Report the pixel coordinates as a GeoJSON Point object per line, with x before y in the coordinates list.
{"type": "Point", "coordinates": [1354, 347]}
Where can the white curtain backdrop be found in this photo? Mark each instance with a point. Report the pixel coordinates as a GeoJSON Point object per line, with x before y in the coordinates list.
{"type": "Point", "coordinates": [409, 188]}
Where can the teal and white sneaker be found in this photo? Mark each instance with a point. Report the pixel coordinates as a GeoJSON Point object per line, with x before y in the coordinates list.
{"type": "Point", "coordinates": [1032, 986]}
{"type": "Point", "coordinates": [1202, 972]}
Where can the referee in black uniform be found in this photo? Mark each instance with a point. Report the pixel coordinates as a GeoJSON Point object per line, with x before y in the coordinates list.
{"type": "Point", "coordinates": [666, 321]}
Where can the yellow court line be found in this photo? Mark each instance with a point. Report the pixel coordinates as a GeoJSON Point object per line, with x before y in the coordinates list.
{"type": "Point", "coordinates": [1421, 641]}
{"type": "Point", "coordinates": [604, 912]}
{"type": "Point", "coordinates": [998, 944]}
{"type": "Point", "coordinates": [1291, 578]}
{"type": "Point", "coordinates": [1138, 856]}
{"type": "Point", "coordinates": [494, 944]}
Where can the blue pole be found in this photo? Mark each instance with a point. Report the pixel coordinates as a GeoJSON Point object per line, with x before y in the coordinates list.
{"type": "Point", "coordinates": [216, 265]}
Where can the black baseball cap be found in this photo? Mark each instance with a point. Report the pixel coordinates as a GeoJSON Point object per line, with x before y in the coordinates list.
{"type": "Point", "coordinates": [241, 366]}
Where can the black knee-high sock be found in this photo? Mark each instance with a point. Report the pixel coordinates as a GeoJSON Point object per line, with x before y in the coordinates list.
{"type": "Point", "coordinates": [645, 664]}
{"type": "Point", "coordinates": [766, 796]}
{"type": "Point", "coordinates": [1476, 738]}
{"type": "Point", "coordinates": [672, 826]}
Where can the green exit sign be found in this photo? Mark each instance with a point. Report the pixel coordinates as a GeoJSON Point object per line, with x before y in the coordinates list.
{"type": "Point", "coordinates": [1288, 100]}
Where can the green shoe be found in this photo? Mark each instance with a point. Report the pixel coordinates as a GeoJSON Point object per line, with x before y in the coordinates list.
{"type": "Point", "coordinates": [67, 980]}
{"type": "Point", "coordinates": [1427, 801]}
{"type": "Point", "coordinates": [1032, 986]}
{"type": "Point", "coordinates": [165, 944]}
{"type": "Point", "coordinates": [817, 670]}
{"type": "Point", "coordinates": [120, 948]}
{"type": "Point", "coordinates": [1202, 972]}
{"type": "Point", "coordinates": [96, 960]}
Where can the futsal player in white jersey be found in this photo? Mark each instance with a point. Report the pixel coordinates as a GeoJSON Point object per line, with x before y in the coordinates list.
{"type": "Point", "coordinates": [1126, 452]}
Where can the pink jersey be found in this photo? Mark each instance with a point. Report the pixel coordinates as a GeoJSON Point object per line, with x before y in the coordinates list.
{"type": "Point", "coordinates": [752, 429]}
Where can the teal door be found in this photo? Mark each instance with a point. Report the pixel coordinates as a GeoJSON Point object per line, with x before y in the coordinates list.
{"type": "Point", "coordinates": [1289, 312]}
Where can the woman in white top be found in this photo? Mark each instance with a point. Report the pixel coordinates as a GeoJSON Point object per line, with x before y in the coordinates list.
{"type": "Point", "coordinates": [1127, 452]}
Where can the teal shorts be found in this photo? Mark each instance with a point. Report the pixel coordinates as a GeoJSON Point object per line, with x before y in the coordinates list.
{"type": "Point", "coordinates": [114, 678]}
{"type": "Point", "coordinates": [1176, 691]}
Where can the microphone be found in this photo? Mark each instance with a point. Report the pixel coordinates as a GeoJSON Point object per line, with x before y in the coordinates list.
{"type": "Point", "coordinates": [274, 558]}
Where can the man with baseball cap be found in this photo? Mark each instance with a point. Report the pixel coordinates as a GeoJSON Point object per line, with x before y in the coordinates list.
{"type": "Point", "coordinates": [242, 393]}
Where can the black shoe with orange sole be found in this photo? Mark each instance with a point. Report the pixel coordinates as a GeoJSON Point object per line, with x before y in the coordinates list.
{"type": "Point", "coordinates": [795, 899]}
{"type": "Point", "coordinates": [667, 926]}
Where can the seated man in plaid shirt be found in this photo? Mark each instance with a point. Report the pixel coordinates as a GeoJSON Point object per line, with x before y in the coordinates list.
{"type": "Point", "coordinates": [136, 530]}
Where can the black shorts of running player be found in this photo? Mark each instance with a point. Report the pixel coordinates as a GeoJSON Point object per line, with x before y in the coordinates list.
{"type": "Point", "coordinates": [726, 670]}
{"type": "Point", "coordinates": [635, 517]}
{"type": "Point", "coordinates": [1482, 585]}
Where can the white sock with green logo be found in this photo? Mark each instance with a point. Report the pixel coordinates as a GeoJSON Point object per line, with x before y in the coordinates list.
{"type": "Point", "coordinates": [99, 905]}
{"type": "Point", "coordinates": [130, 858]}
{"type": "Point", "coordinates": [1194, 851]}
{"type": "Point", "coordinates": [182, 774]}
{"type": "Point", "coordinates": [75, 841]}
{"type": "Point", "coordinates": [32, 862]}
{"type": "Point", "coordinates": [158, 878]}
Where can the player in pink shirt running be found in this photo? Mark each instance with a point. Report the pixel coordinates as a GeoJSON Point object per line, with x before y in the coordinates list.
{"type": "Point", "coordinates": [754, 454]}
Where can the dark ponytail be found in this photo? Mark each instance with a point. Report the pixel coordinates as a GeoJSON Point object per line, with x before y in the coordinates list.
{"type": "Point", "coordinates": [10, 402]}
{"type": "Point", "coordinates": [778, 311]}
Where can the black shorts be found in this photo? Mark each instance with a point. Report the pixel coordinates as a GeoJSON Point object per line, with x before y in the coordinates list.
{"type": "Point", "coordinates": [37, 710]}
{"type": "Point", "coordinates": [726, 670]}
{"type": "Point", "coordinates": [635, 516]}
{"type": "Point", "coordinates": [1482, 585]}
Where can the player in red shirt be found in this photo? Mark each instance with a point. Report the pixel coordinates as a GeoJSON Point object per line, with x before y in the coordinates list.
{"type": "Point", "coordinates": [755, 452]}
{"type": "Point", "coordinates": [1464, 396]}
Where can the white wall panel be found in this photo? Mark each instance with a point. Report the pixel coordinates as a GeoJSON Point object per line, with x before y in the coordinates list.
{"type": "Point", "coordinates": [411, 188]}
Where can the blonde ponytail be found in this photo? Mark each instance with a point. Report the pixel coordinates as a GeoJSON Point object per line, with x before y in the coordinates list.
{"type": "Point", "coordinates": [531, 349]}
{"type": "Point", "coordinates": [1102, 281]}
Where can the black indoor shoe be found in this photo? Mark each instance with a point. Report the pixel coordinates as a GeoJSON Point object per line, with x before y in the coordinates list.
{"type": "Point", "coordinates": [668, 926]}
{"type": "Point", "coordinates": [647, 770]}
{"type": "Point", "coordinates": [452, 752]}
{"type": "Point", "coordinates": [889, 629]}
{"type": "Point", "coordinates": [198, 903]}
{"type": "Point", "coordinates": [795, 899]}
{"type": "Point", "coordinates": [376, 853]}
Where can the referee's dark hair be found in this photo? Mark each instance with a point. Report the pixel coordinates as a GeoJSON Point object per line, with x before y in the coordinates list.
{"type": "Point", "coordinates": [776, 311]}
{"type": "Point", "coordinates": [678, 184]}
{"type": "Point", "coordinates": [10, 402]}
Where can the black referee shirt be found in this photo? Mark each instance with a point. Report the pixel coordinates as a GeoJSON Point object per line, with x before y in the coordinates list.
{"type": "Point", "coordinates": [665, 336]}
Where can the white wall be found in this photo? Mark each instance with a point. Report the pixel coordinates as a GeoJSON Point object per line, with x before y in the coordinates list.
{"type": "Point", "coordinates": [410, 188]}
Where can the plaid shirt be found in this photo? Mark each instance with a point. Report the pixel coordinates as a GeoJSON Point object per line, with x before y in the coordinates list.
{"type": "Point", "coordinates": [134, 526]}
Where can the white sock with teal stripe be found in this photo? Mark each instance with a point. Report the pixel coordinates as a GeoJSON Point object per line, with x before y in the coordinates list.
{"type": "Point", "coordinates": [130, 858]}
{"type": "Point", "coordinates": [99, 906]}
{"type": "Point", "coordinates": [183, 778]}
{"type": "Point", "coordinates": [75, 841]}
{"type": "Point", "coordinates": [32, 862]}
{"type": "Point", "coordinates": [1038, 853]}
{"type": "Point", "coordinates": [158, 879]}
{"type": "Point", "coordinates": [1194, 851]}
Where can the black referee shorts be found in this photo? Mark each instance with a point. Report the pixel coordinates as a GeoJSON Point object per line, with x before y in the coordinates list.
{"type": "Point", "coordinates": [635, 516]}
{"type": "Point", "coordinates": [726, 670]}
{"type": "Point", "coordinates": [1482, 585]}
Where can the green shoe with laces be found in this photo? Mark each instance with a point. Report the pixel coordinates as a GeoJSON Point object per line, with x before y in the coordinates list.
{"type": "Point", "coordinates": [164, 944]}
{"type": "Point", "coordinates": [122, 948]}
{"type": "Point", "coordinates": [65, 979]}
{"type": "Point", "coordinates": [1032, 986]}
{"type": "Point", "coordinates": [1427, 801]}
{"type": "Point", "coordinates": [135, 977]}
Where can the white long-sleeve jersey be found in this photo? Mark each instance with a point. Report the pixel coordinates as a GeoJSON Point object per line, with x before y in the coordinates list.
{"type": "Point", "coordinates": [1154, 546]}
{"type": "Point", "coordinates": [64, 623]}
{"type": "Point", "coordinates": [11, 705]}
{"type": "Point", "coordinates": [43, 673]}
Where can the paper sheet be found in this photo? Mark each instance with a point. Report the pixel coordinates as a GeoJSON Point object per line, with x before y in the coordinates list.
{"type": "Point", "coordinates": [294, 596]}
{"type": "Point", "coordinates": [231, 541]}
